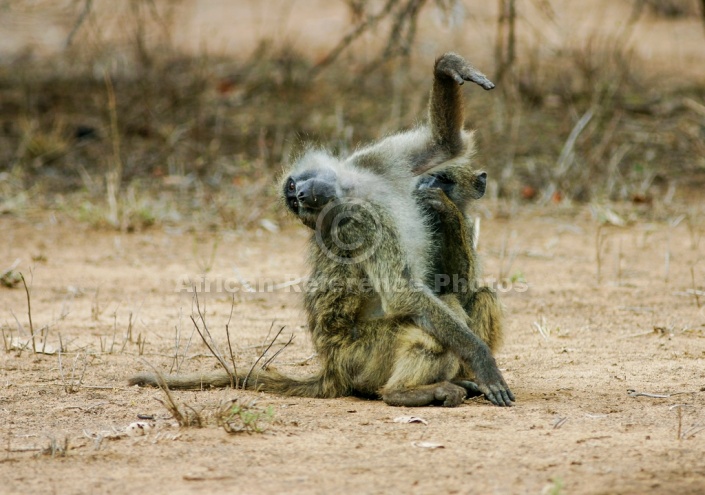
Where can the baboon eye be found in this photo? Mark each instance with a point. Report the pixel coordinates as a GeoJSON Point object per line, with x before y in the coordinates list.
{"type": "Point", "coordinates": [291, 185]}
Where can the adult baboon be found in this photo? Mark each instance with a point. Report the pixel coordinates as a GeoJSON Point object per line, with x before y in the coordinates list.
{"type": "Point", "coordinates": [377, 325]}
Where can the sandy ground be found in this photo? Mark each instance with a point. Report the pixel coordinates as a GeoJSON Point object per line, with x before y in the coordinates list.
{"type": "Point", "coordinates": [574, 425]}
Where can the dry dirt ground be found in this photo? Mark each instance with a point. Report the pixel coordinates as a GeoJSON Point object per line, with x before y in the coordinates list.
{"type": "Point", "coordinates": [574, 348]}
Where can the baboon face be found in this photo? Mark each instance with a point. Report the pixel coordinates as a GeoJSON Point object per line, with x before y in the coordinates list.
{"type": "Point", "coordinates": [480, 185]}
{"type": "Point", "coordinates": [307, 192]}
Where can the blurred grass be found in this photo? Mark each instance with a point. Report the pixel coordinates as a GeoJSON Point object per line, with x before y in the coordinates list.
{"type": "Point", "coordinates": [201, 138]}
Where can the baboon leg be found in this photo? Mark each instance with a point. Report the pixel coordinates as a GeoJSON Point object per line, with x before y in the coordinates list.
{"type": "Point", "coordinates": [483, 314]}
{"type": "Point", "coordinates": [471, 388]}
{"type": "Point", "coordinates": [421, 373]}
{"type": "Point", "coordinates": [485, 317]}
{"type": "Point", "coordinates": [445, 393]}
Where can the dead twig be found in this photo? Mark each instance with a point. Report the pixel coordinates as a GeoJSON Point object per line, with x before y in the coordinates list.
{"type": "Point", "coordinates": [170, 403]}
{"type": "Point", "coordinates": [249, 373]}
{"type": "Point", "coordinates": [599, 241]}
{"type": "Point", "coordinates": [695, 291]}
{"type": "Point", "coordinates": [633, 393]}
{"type": "Point", "coordinates": [349, 38]}
{"type": "Point", "coordinates": [559, 422]}
{"type": "Point", "coordinates": [567, 156]}
{"type": "Point", "coordinates": [274, 356]}
{"type": "Point", "coordinates": [72, 386]}
{"type": "Point", "coordinates": [79, 22]}
{"type": "Point", "coordinates": [113, 177]}
{"type": "Point", "coordinates": [692, 431]}
{"type": "Point", "coordinates": [210, 343]}
{"type": "Point", "coordinates": [29, 314]}
{"type": "Point", "coordinates": [404, 15]}
{"type": "Point", "coordinates": [506, 36]}
{"type": "Point", "coordinates": [227, 335]}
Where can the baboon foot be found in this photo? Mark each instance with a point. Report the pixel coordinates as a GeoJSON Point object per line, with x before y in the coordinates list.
{"type": "Point", "coordinates": [471, 388]}
{"type": "Point", "coordinates": [458, 69]}
{"type": "Point", "coordinates": [443, 393]}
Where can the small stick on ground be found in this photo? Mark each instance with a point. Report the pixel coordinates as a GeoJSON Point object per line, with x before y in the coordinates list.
{"type": "Point", "coordinates": [71, 386]}
{"type": "Point", "coordinates": [29, 314]}
{"type": "Point", "coordinates": [679, 407]}
{"type": "Point", "coordinates": [227, 334]}
{"type": "Point", "coordinates": [692, 431]}
{"type": "Point", "coordinates": [507, 255]}
{"type": "Point", "coordinates": [177, 342]}
{"type": "Point", "coordinates": [44, 332]}
{"type": "Point", "coordinates": [695, 289]}
{"type": "Point", "coordinates": [667, 259]}
{"type": "Point", "coordinates": [599, 242]}
{"type": "Point", "coordinates": [5, 343]}
{"type": "Point", "coordinates": [633, 393]}
{"type": "Point", "coordinates": [619, 263]}
{"type": "Point", "coordinates": [672, 224]}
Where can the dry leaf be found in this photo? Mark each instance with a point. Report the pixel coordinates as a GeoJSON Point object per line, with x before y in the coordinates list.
{"type": "Point", "coordinates": [17, 343]}
{"type": "Point", "coordinates": [427, 445]}
{"type": "Point", "coordinates": [410, 419]}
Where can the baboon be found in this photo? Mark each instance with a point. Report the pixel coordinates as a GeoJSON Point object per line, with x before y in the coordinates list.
{"type": "Point", "coordinates": [381, 219]}
{"type": "Point", "coordinates": [455, 276]}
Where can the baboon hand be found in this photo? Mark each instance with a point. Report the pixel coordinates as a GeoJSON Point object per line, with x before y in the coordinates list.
{"type": "Point", "coordinates": [492, 385]}
{"type": "Point", "coordinates": [458, 69]}
{"type": "Point", "coordinates": [435, 198]}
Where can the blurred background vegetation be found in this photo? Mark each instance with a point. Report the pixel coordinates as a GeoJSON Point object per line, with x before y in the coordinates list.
{"type": "Point", "coordinates": [141, 112]}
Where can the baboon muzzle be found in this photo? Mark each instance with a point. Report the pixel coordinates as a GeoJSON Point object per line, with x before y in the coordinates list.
{"type": "Point", "coordinates": [314, 193]}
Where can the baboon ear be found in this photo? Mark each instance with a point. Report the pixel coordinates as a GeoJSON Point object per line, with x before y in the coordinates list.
{"type": "Point", "coordinates": [479, 186]}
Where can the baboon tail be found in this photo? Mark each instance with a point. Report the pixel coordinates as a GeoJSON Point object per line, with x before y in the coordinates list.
{"type": "Point", "coordinates": [192, 381]}
{"type": "Point", "coordinates": [265, 380]}
{"type": "Point", "coordinates": [269, 380]}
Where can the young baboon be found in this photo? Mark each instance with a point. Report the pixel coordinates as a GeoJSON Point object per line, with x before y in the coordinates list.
{"type": "Point", "coordinates": [455, 276]}
{"type": "Point", "coordinates": [377, 325]}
